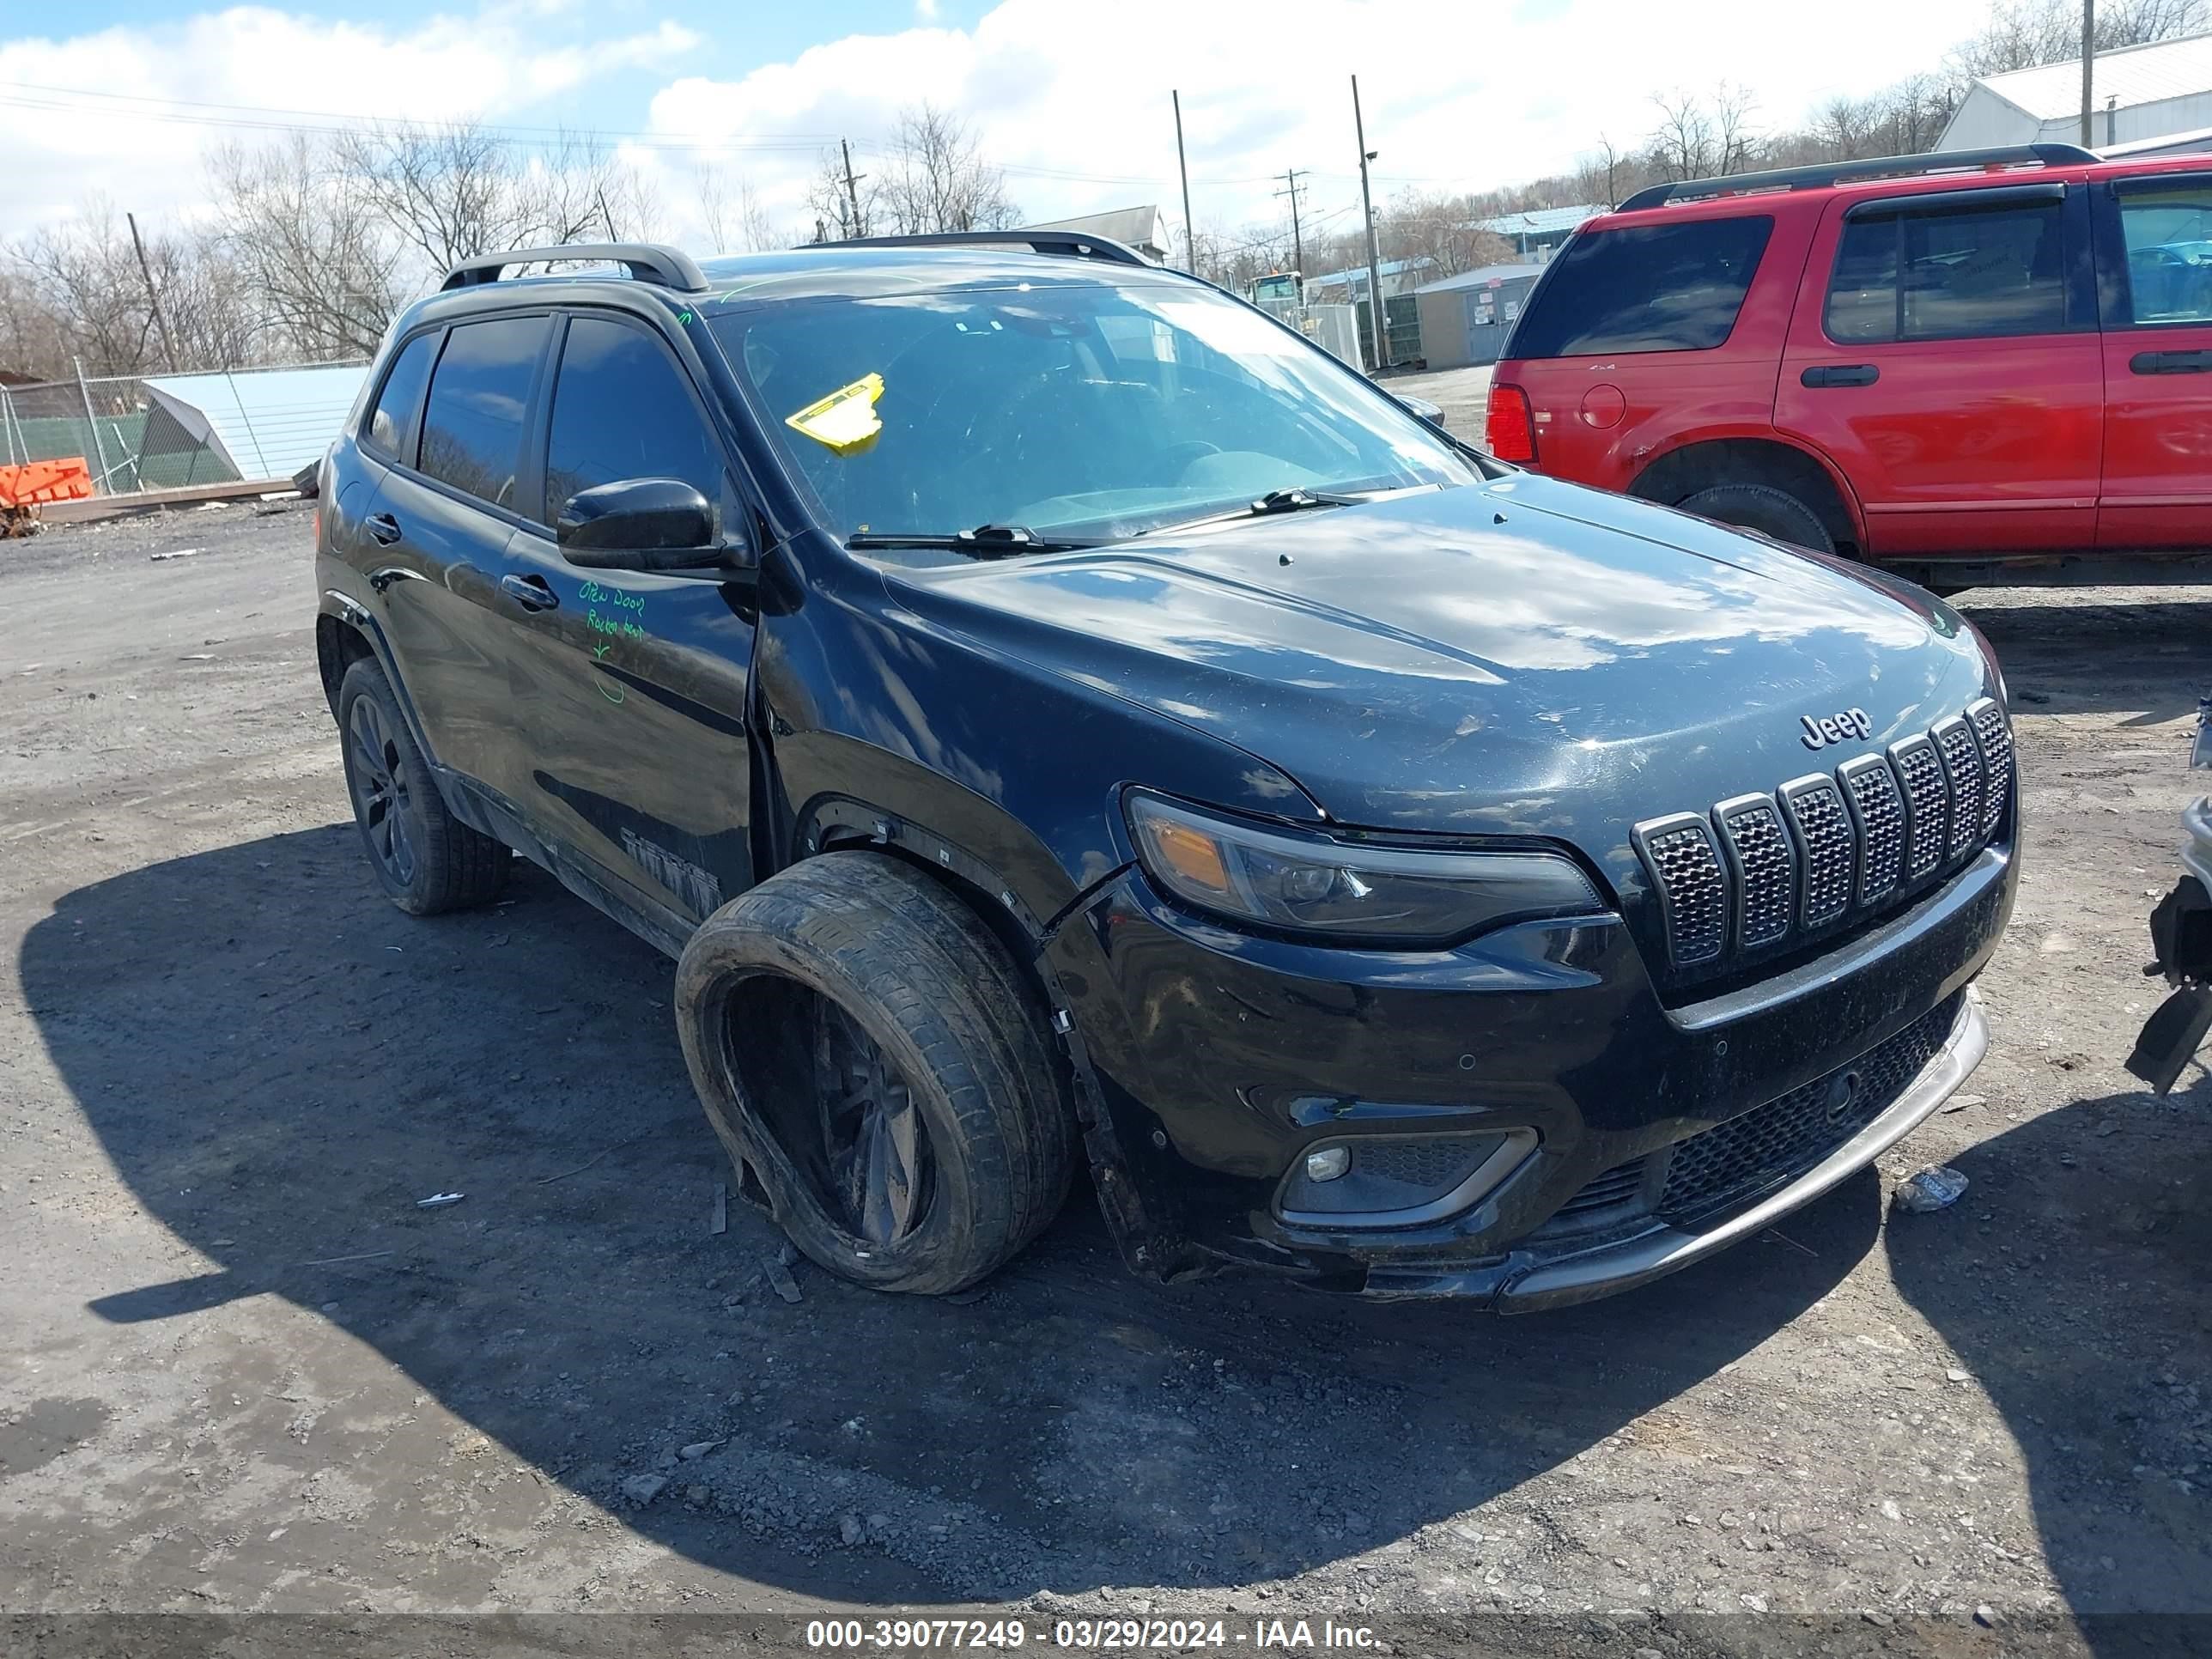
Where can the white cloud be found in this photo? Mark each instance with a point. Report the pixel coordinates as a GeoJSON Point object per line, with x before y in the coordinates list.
{"type": "Point", "coordinates": [1457, 95]}
{"type": "Point", "coordinates": [62, 146]}
{"type": "Point", "coordinates": [1072, 99]}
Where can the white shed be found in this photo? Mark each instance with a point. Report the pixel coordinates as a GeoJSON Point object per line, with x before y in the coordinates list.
{"type": "Point", "coordinates": [2140, 95]}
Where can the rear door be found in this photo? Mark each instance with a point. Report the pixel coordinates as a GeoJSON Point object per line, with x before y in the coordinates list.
{"type": "Point", "coordinates": [1945, 356]}
{"type": "Point", "coordinates": [637, 720]}
{"type": "Point", "coordinates": [2154, 270]}
{"type": "Point", "coordinates": [443, 518]}
{"type": "Point", "coordinates": [1643, 332]}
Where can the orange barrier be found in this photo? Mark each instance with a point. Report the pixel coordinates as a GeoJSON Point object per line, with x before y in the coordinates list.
{"type": "Point", "coordinates": [37, 482]}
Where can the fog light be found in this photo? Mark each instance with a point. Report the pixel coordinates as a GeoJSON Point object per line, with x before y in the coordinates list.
{"type": "Point", "coordinates": [1328, 1163]}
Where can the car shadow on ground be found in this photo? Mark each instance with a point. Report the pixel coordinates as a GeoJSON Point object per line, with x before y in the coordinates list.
{"type": "Point", "coordinates": [280, 1065]}
{"type": "Point", "coordinates": [2074, 1295]}
{"type": "Point", "coordinates": [2058, 654]}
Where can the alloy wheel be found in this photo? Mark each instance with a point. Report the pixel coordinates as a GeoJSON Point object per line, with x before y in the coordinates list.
{"type": "Point", "coordinates": [382, 792]}
{"type": "Point", "coordinates": [880, 1167]}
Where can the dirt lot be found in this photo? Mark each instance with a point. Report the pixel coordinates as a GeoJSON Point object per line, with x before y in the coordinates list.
{"type": "Point", "coordinates": [241, 1369]}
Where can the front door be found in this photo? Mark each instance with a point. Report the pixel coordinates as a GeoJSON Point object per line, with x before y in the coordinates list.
{"type": "Point", "coordinates": [2154, 268]}
{"type": "Point", "coordinates": [639, 750]}
{"type": "Point", "coordinates": [1944, 353]}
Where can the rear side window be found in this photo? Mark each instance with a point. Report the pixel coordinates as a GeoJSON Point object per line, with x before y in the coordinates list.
{"type": "Point", "coordinates": [1644, 287]}
{"type": "Point", "coordinates": [1961, 273]}
{"type": "Point", "coordinates": [473, 424]}
{"type": "Point", "coordinates": [393, 420]}
{"type": "Point", "coordinates": [623, 409]}
{"type": "Point", "coordinates": [2168, 232]}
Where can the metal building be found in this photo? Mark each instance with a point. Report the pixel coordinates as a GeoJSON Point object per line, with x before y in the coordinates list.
{"type": "Point", "coordinates": [1465, 319]}
{"type": "Point", "coordinates": [2143, 99]}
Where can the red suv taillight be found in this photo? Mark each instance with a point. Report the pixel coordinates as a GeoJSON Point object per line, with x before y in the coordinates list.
{"type": "Point", "coordinates": [1511, 434]}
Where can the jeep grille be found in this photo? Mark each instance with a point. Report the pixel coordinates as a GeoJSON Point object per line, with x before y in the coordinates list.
{"type": "Point", "coordinates": [1759, 873]}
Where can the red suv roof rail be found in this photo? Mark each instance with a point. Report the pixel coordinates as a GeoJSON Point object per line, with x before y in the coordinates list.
{"type": "Point", "coordinates": [1824, 174]}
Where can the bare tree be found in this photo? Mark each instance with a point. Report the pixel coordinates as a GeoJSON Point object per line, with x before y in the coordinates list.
{"type": "Point", "coordinates": [2026, 33]}
{"type": "Point", "coordinates": [449, 191]}
{"type": "Point", "coordinates": [85, 269]}
{"type": "Point", "coordinates": [1598, 178]}
{"type": "Point", "coordinates": [1236, 259]}
{"type": "Point", "coordinates": [936, 178]}
{"type": "Point", "coordinates": [75, 291]}
{"type": "Point", "coordinates": [842, 209]}
{"type": "Point", "coordinates": [315, 247]}
{"type": "Point", "coordinates": [580, 190]}
{"type": "Point", "coordinates": [735, 221]}
{"type": "Point", "coordinates": [1846, 127]}
{"type": "Point", "coordinates": [1681, 146]}
{"type": "Point", "coordinates": [1738, 141]}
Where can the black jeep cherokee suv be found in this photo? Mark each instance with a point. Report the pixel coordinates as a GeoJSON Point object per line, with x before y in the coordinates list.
{"type": "Point", "coordinates": [1057, 716]}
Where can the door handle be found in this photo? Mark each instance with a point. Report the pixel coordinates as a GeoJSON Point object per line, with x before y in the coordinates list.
{"type": "Point", "coordinates": [2171, 363]}
{"type": "Point", "coordinates": [1824, 374]}
{"type": "Point", "coordinates": [531, 593]}
{"type": "Point", "coordinates": [384, 529]}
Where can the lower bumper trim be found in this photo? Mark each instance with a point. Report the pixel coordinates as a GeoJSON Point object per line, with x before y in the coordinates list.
{"type": "Point", "coordinates": [1623, 1264]}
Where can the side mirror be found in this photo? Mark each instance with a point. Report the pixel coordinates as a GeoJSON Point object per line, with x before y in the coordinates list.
{"type": "Point", "coordinates": [644, 524]}
{"type": "Point", "coordinates": [1432, 413]}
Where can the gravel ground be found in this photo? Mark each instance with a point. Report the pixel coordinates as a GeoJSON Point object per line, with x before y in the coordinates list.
{"type": "Point", "coordinates": [243, 1371]}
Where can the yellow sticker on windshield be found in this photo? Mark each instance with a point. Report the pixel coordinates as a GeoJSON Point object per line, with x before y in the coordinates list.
{"type": "Point", "coordinates": [845, 420]}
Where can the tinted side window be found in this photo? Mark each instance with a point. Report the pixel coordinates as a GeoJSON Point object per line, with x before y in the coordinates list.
{"type": "Point", "coordinates": [473, 425]}
{"type": "Point", "coordinates": [621, 409]}
{"type": "Point", "coordinates": [392, 420]}
{"type": "Point", "coordinates": [1960, 274]}
{"type": "Point", "coordinates": [2168, 232]}
{"type": "Point", "coordinates": [1649, 287]}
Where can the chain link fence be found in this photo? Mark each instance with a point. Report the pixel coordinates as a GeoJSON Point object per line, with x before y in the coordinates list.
{"type": "Point", "coordinates": [170, 432]}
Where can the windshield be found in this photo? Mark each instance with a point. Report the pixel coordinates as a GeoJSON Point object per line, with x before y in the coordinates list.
{"type": "Point", "coordinates": [1076, 408]}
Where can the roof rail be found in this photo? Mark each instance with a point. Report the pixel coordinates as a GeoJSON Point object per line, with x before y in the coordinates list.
{"type": "Point", "coordinates": [1070, 244]}
{"type": "Point", "coordinates": [1822, 174]}
{"type": "Point", "coordinates": [648, 262]}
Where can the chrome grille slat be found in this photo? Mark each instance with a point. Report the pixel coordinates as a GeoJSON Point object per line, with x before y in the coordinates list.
{"type": "Point", "coordinates": [1692, 892]}
{"type": "Point", "coordinates": [1759, 871]}
{"type": "Point", "coordinates": [1995, 736]}
{"type": "Point", "coordinates": [1962, 770]}
{"type": "Point", "coordinates": [1764, 866]}
{"type": "Point", "coordinates": [1878, 816]}
{"type": "Point", "coordinates": [1927, 805]}
{"type": "Point", "coordinates": [1826, 851]}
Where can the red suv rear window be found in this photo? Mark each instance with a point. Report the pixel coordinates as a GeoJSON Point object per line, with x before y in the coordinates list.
{"type": "Point", "coordinates": [1644, 287]}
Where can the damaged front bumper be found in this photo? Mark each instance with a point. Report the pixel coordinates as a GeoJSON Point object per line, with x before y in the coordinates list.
{"type": "Point", "coordinates": [1532, 1279]}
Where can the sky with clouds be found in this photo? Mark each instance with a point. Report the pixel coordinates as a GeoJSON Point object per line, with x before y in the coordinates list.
{"type": "Point", "coordinates": [125, 97]}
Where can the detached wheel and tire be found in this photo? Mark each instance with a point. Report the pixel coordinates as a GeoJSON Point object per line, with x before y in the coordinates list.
{"type": "Point", "coordinates": [868, 1048]}
{"type": "Point", "coordinates": [1762, 507]}
{"type": "Point", "coordinates": [426, 859]}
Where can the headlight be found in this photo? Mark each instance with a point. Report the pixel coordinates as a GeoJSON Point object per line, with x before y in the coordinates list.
{"type": "Point", "coordinates": [1345, 892]}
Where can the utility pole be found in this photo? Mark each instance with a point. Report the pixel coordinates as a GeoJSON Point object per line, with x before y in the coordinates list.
{"type": "Point", "coordinates": [168, 345]}
{"type": "Point", "coordinates": [1189, 230]}
{"type": "Point", "coordinates": [1298, 241]}
{"type": "Point", "coordinates": [1374, 258]}
{"type": "Point", "coordinates": [852, 188]}
{"type": "Point", "coordinates": [2088, 65]}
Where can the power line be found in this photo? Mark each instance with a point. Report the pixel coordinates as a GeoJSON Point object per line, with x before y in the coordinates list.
{"type": "Point", "coordinates": [276, 118]}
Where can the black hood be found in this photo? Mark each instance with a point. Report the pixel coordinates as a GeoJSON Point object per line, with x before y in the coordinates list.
{"type": "Point", "coordinates": [1524, 656]}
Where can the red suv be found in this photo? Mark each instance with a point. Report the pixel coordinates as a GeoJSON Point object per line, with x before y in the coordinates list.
{"type": "Point", "coordinates": [1998, 371]}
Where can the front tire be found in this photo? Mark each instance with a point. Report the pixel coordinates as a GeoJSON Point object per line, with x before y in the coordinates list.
{"type": "Point", "coordinates": [1762, 507]}
{"type": "Point", "coordinates": [426, 859]}
{"type": "Point", "coordinates": [868, 1049]}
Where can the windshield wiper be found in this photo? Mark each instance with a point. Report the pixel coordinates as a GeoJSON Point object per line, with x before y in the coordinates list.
{"type": "Point", "coordinates": [985, 541]}
{"type": "Point", "coordinates": [1274, 501]}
